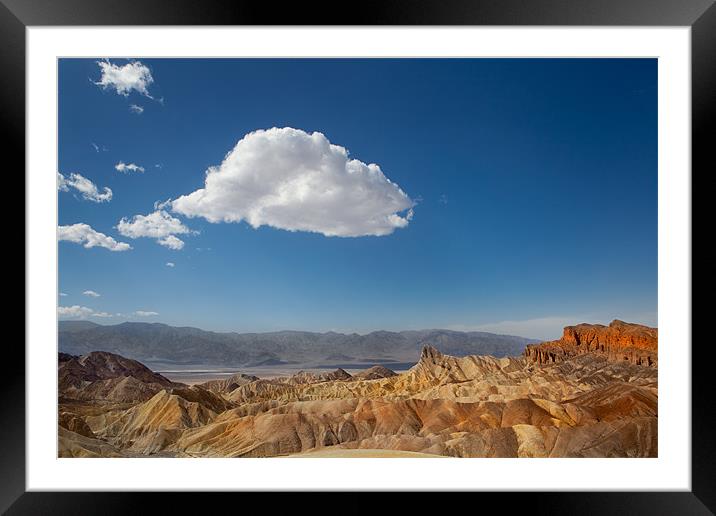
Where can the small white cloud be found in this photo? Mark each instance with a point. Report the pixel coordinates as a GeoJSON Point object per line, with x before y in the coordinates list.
{"type": "Point", "coordinates": [79, 312]}
{"type": "Point", "coordinates": [126, 168]}
{"type": "Point", "coordinates": [144, 313]}
{"type": "Point", "coordinates": [170, 264]}
{"type": "Point", "coordinates": [75, 311]}
{"type": "Point", "coordinates": [90, 293]}
{"type": "Point", "coordinates": [62, 294]}
{"type": "Point", "coordinates": [159, 225]}
{"type": "Point", "coordinates": [289, 179]}
{"type": "Point", "coordinates": [171, 242]}
{"type": "Point", "coordinates": [83, 185]}
{"type": "Point", "coordinates": [96, 147]}
{"type": "Point", "coordinates": [84, 234]}
{"type": "Point", "coordinates": [136, 109]}
{"type": "Point", "coordinates": [443, 199]}
{"type": "Point", "coordinates": [133, 76]}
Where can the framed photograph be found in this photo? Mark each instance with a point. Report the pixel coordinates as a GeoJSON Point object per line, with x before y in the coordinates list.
{"type": "Point", "coordinates": [279, 250]}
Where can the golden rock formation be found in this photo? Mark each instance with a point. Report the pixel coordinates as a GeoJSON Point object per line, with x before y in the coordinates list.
{"type": "Point", "coordinates": [619, 341]}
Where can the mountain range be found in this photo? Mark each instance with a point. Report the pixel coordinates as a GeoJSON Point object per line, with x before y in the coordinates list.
{"type": "Point", "coordinates": [160, 344]}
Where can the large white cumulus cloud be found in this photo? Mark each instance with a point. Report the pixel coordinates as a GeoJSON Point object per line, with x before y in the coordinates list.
{"type": "Point", "coordinates": [289, 179]}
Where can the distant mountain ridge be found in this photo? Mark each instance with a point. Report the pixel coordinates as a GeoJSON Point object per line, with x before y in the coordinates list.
{"type": "Point", "coordinates": [157, 343]}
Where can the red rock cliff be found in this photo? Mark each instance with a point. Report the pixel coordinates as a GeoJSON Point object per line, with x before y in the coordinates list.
{"type": "Point", "coordinates": [619, 341]}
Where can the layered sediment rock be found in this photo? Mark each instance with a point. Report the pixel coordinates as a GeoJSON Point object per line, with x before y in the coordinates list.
{"type": "Point", "coordinates": [303, 377]}
{"type": "Point", "coordinates": [374, 373]}
{"type": "Point", "coordinates": [227, 385]}
{"type": "Point", "coordinates": [108, 377]}
{"type": "Point", "coordinates": [576, 397]}
{"type": "Point", "coordinates": [620, 341]}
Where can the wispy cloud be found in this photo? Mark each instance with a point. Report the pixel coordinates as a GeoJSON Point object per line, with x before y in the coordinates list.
{"type": "Point", "coordinates": [145, 313]}
{"type": "Point", "coordinates": [63, 294]}
{"type": "Point", "coordinates": [84, 234]}
{"type": "Point", "coordinates": [170, 264]}
{"type": "Point", "coordinates": [126, 168]}
{"type": "Point", "coordinates": [134, 108]}
{"type": "Point", "coordinates": [90, 293]}
{"type": "Point", "coordinates": [83, 185]}
{"type": "Point", "coordinates": [79, 312]}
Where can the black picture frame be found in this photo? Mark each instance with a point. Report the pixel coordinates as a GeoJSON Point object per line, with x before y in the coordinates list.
{"type": "Point", "coordinates": [700, 15]}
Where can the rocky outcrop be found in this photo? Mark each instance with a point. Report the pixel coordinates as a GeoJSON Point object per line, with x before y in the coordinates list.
{"type": "Point", "coordinates": [204, 397]}
{"type": "Point", "coordinates": [620, 341]}
{"type": "Point", "coordinates": [153, 425]}
{"type": "Point", "coordinates": [303, 377]}
{"type": "Point", "coordinates": [75, 424]}
{"type": "Point", "coordinates": [123, 389]}
{"type": "Point", "coordinates": [375, 373]}
{"type": "Point", "coordinates": [64, 357]}
{"type": "Point", "coordinates": [72, 444]}
{"type": "Point", "coordinates": [227, 385]}
{"type": "Point", "coordinates": [101, 365]}
{"type": "Point", "coordinates": [102, 376]}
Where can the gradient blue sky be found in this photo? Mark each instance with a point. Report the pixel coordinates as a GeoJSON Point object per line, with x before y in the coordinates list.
{"type": "Point", "coordinates": [535, 182]}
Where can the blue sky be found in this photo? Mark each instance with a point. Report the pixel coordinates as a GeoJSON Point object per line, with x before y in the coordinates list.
{"type": "Point", "coordinates": [533, 187]}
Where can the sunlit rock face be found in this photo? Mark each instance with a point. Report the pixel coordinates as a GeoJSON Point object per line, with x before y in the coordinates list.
{"type": "Point", "coordinates": [620, 341]}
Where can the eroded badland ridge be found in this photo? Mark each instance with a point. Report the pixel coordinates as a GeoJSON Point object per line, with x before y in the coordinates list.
{"type": "Point", "coordinates": [592, 393]}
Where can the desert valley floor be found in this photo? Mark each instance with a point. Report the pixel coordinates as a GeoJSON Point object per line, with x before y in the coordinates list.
{"type": "Point", "coordinates": [592, 393]}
